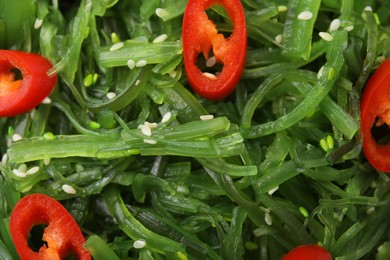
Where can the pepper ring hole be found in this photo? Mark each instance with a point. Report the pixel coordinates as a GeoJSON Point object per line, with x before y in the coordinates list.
{"type": "Point", "coordinates": [17, 74]}
{"type": "Point", "coordinates": [35, 241]}
{"type": "Point", "coordinates": [380, 131]}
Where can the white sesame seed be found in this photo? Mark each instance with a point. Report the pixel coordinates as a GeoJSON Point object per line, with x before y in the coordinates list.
{"type": "Point", "coordinates": [268, 218]}
{"type": "Point", "coordinates": [334, 25]}
{"type": "Point", "coordinates": [282, 8]}
{"type": "Point", "coordinates": [278, 38]}
{"type": "Point", "coordinates": [18, 173]}
{"type": "Point", "coordinates": [182, 189]}
{"type": "Point", "coordinates": [111, 95]}
{"type": "Point", "coordinates": [161, 12]}
{"type": "Point", "coordinates": [370, 210]}
{"type": "Point", "coordinates": [16, 137]}
{"type": "Point", "coordinates": [349, 28]}
{"type": "Point", "coordinates": [146, 130]}
{"type": "Point", "coordinates": [326, 36]}
{"type": "Point", "coordinates": [22, 167]}
{"type": "Point", "coordinates": [140, 243]}
{"type": "Point", "coordinates": [206, 117]}
{"type": "Point", "coordinates": [368, 8]}
{"type": "Point", "coordinates": [141, 63]}
{"type": "Point", "coordinates": [210, 75]}
{"type": "Point", "coordinates": [160, 38]}
{"type": "Point", "coordinates": [131, 64]}
{"type": "Point", "coordinates": [4, 159]}
{"type": "Point", "coordinates": [68, 189]}
{"type": "Point", "coordinates": [46, 100]}
{"type": "Point", "coordinates": [320, 71]}
{"type": "Point", "coordinates": [166, 117]}
{"type": "Point", "coordinates": [272, 191]}
{"type": "Point", "coordinates": [150, 141]}
{"type": "Point", "coordinates": [137, 82]}
{"type": "Point", "coordinates": [33, 170]}
{"type": "Point", "coordinates": [46, 161]}
{"type": "Point", "coordinates": [116, 46]}
{"type": "Point", "coordinates": [211, 61]}
{"type": "Point", "coordinates": [305, 15]}
{"type": "Point", "coordinates": [173, 73]}
{"type": "Point", "coordinates": [38, 23]}
{"type": "Point", "coordinates": [151, 125]}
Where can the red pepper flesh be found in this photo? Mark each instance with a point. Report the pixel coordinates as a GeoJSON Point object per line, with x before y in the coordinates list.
{"type": "Point", "coordinates": [18, 96]}
{"type": "Point", "coordinates": [62, 234]}
{"type": "Point", "coordinates": [375, 105]}
{"type": "Point", "coordinates": [200, 35]}
{"type": "Point", "coordinates": [308, 252]}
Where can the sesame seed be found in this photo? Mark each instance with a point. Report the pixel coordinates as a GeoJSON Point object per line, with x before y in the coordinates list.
{"type": "Point", "coordinates": [331, 73]}
{"type": "Point", "coordinates": [272, 191]}
{"type": "Point", "coordinates": [146, 130]}
{"type": "Point", "coordinates": [88, 80]}
{"type": "Point", "coordinates": [4, 159]}
{"type": "Point", "coordinates": [131, 64]}
{"type": "Point", "coordinates": [140, 243]}
{"type": "Point", "coordinates": [141, 63]}
{"type": "Point", "coordinates": [111, 95]}
{"type": "Point", "coordinates": [182, 189]}
{"type": "Point", "coordinates": [167, 116]}
{"type": "Point", "coordinates": [38, 23]}
{"type": "Point", "coordinates": [19, 173]}
{"type": "Point", "coordinates": [116, 46]}
{"type": "Point", "coordinates": [22, 167]}
{"type": "Point", "coordinates": [137, 82]}
{"type": "Point", "coordinates": [210, 75]}
{"type": "Point", "coordinates": [49, 136]}
{"type": "Point", "coordinates": [161, 12]}
{"type": "Point", "coordinates": [268, 218]}
{"type": "Point", "coordinates": [370, 210]}
{"type": "Point", "coordinates": [151, 125]}
{"type": "Point", "coordinates": [115, 38]}
{"type": "Point", "coordinates": [305, 15]}
{"type": "Point", "coordinates": [349, 28]}
{"type": "Point", "coordinates": [278, 38]}
{"type": "Point", "coordinates": [46, 100]}
{"type": "Point", "coordinates": [150, 141]}
{"type": "Point", "coordinates": [211, 61]}
{"type": "Point", "coordinates": [334, 25]}
{"type": "Point", "coordinates": [326, 36]}
{"type": "Point", "coordinates": [320, 72]}
{"type": "Point", "coordinates": [33, 170]}
{"type": "Point", "coordinates": [16, 137]}
{"type": "Point", "coordinates": [68, 189]}
{"type": "Point", "coordinates": [206, 117]}
{"type": "Point", "coordinates": [173, 73]}
{"type": "Point", "coordinates": [160, 38]}
{"type": "Point", "coordinates": [304, 212]}
{"type": "Point", "coordinates": [368, 9]}
{"type": "Point", "coordinates": [282, 8]}
{"type": "Point", "coordinates": [46, 161]}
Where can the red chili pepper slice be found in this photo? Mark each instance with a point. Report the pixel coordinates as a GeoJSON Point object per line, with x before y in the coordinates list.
{"type": "Point", "coordinates": [200, 35]}
{"type": "Point", "coordinates": [18, 96]}
{"type": "Point", "coordinates": [62, 234]}
{"type": "Point", "coordinates": [375, 111]}
{"type": "Point", "coordinates": [308, 252]}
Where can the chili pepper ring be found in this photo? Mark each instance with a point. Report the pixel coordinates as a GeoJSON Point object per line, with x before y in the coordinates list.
{"type": "Point", "coordinates": [200, 35]}
{"type": "Point", "coordinates": [62, 234]}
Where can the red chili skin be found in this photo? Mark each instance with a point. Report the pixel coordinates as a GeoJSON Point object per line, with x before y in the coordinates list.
{"type": "Point", "coordinates": [375, 104]}
{"type": "Point", "coordinates": [200, 35]}
{"type": "Point", "coordinates": [308, 252]}
{"type": "Point", "coordinates": [62, 233]}
{"type": "Point", "coordinates": [20, 96]}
